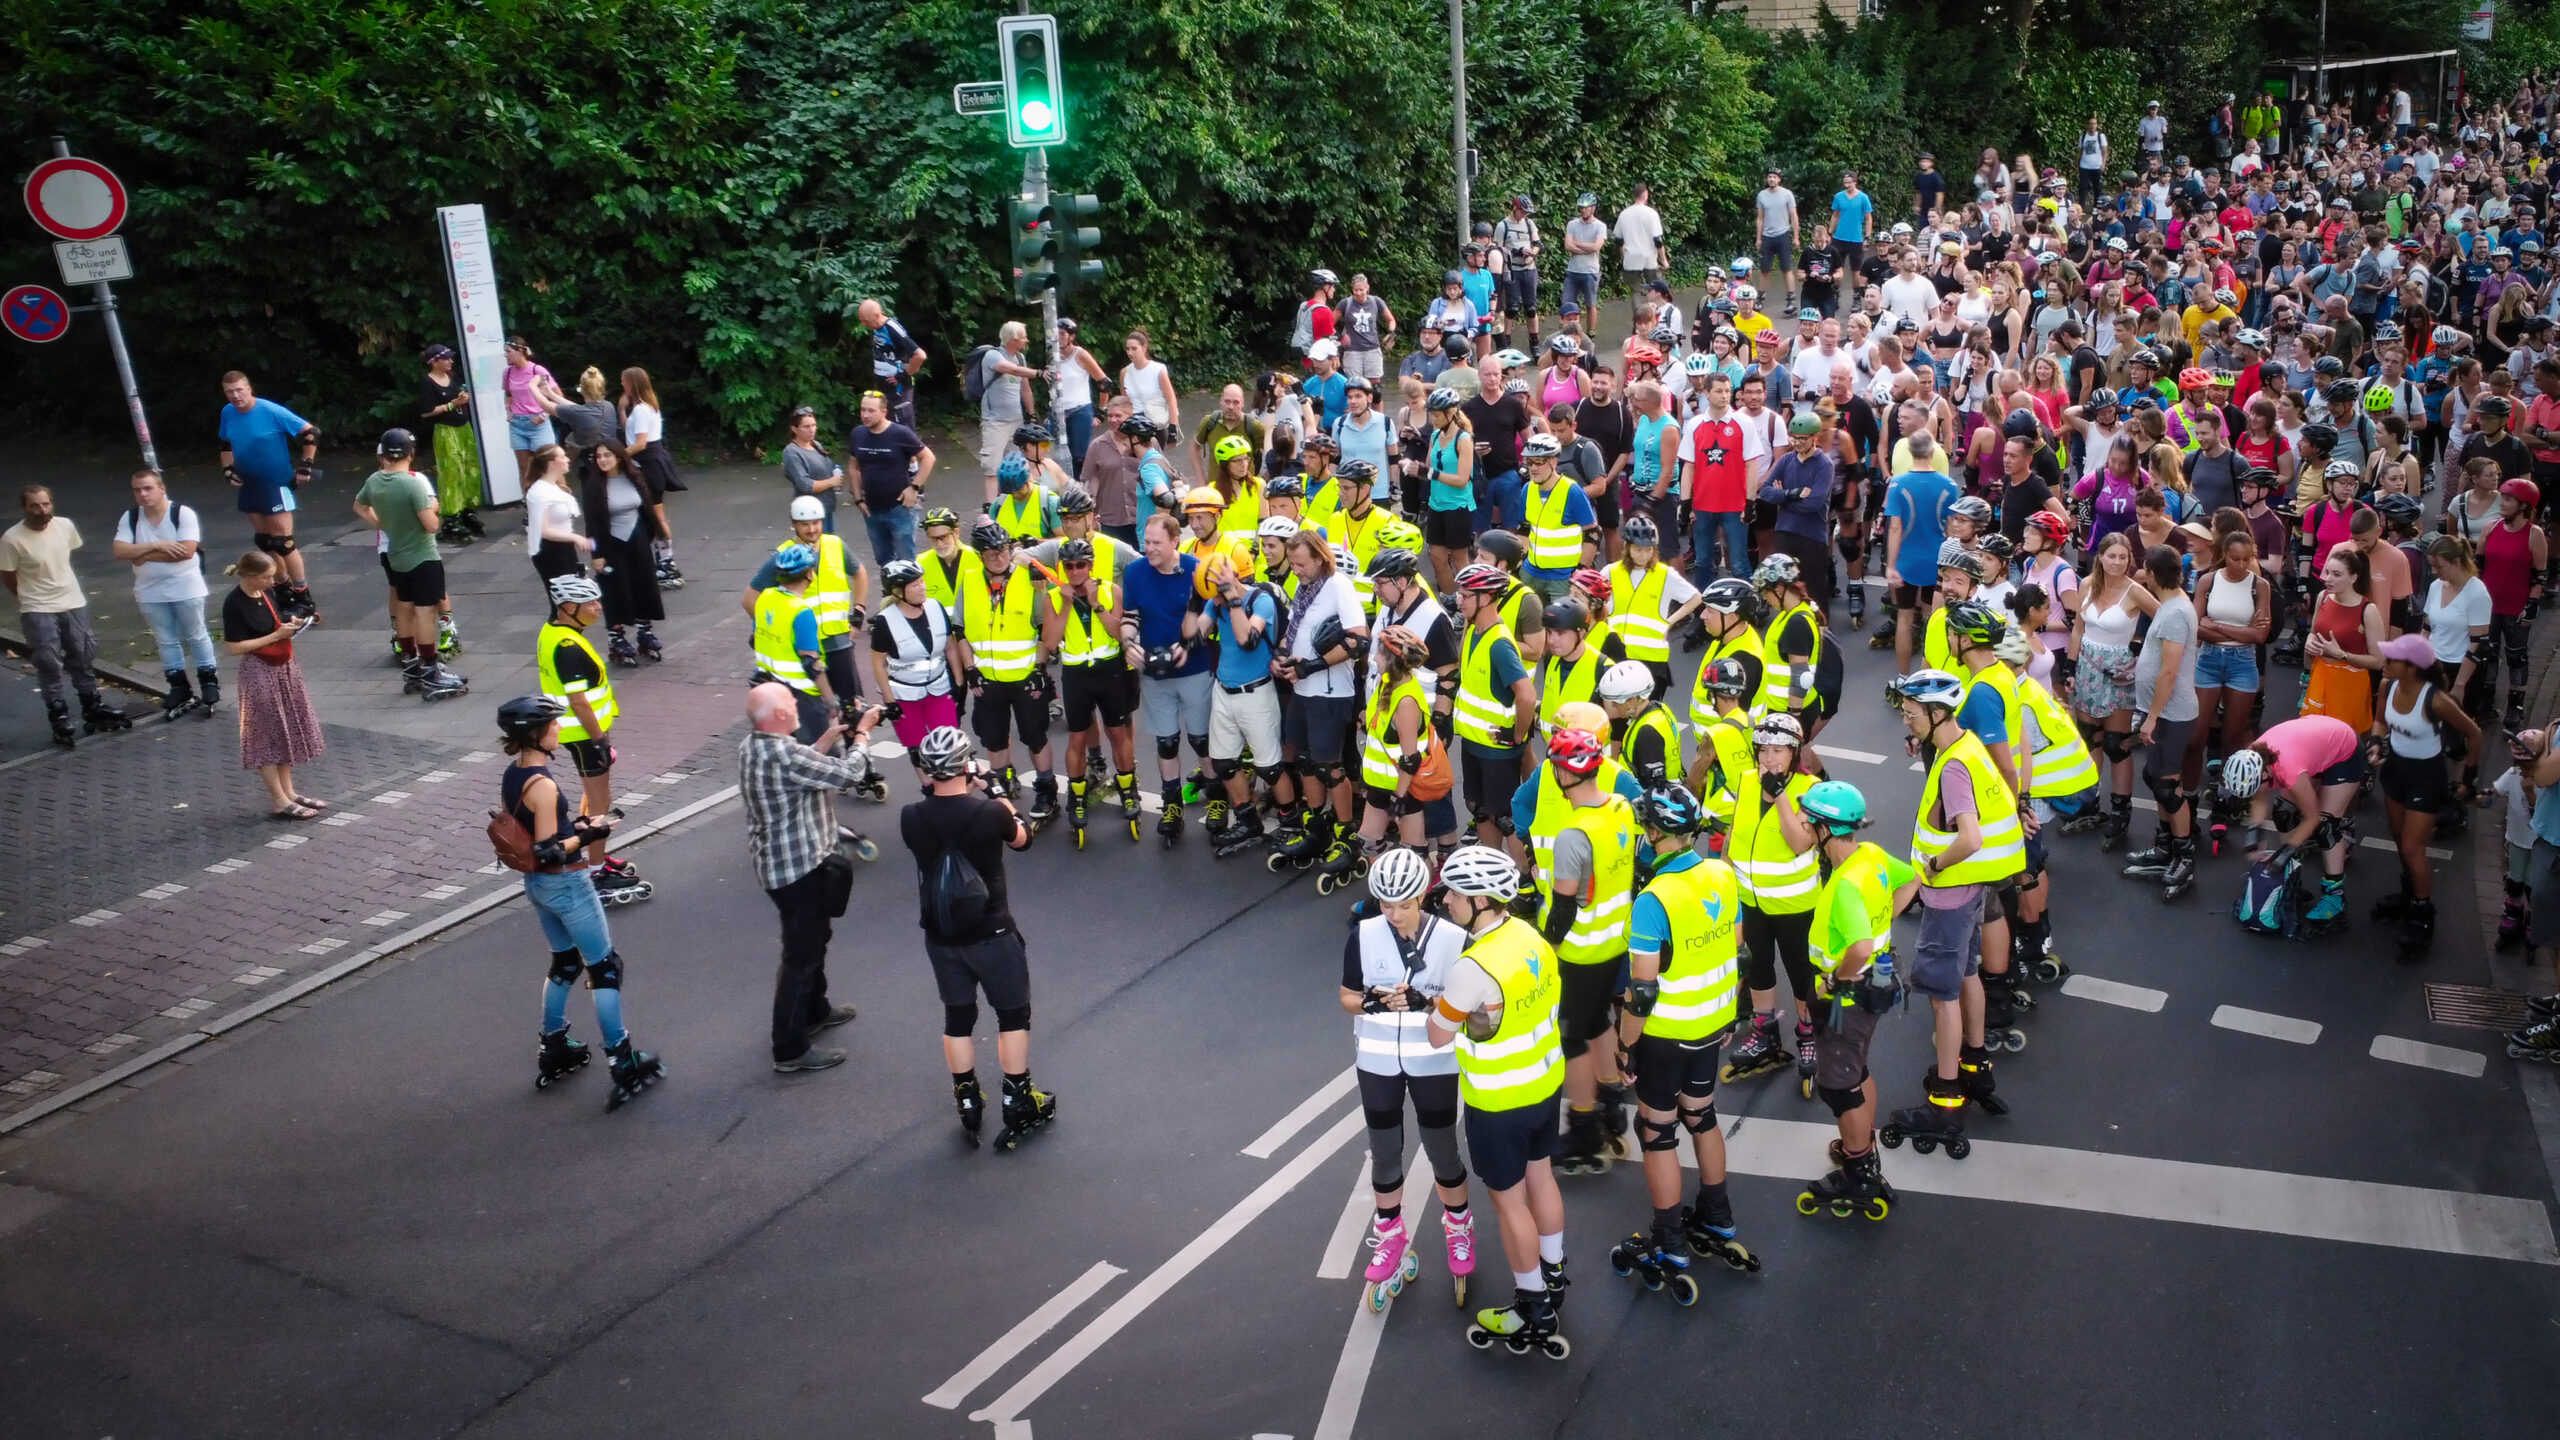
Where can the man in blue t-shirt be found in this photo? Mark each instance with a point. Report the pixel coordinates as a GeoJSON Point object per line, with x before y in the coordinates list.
{"type": "Point", "coordinates": [259, 438]}
{"type": "Point", "coordinates": [1244, 708]}
{"type": "Point", "coordinates": [1851, 208]}
{"type": "Point", "coordinates": [1175, 655]}
{"type": "Point", "coordinates": [1915, 515]}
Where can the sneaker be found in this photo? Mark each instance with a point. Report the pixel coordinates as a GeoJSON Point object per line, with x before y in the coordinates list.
{"type": "Point", "coordinates": [842, 1014]}
{"type": "Point", "coordinates": [812, 1058]}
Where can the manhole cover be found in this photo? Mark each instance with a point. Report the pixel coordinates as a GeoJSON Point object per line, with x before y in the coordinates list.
{"type": "Point", "coordinates": [2475, 1007]}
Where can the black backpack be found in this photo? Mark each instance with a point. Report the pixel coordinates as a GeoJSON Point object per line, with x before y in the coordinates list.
{"type": "Point", "coordinates": [177, 512]}
{"type": "Point", "coordinates": [954, 894]}
{"type": "Point", "coordinates": [973, 373]}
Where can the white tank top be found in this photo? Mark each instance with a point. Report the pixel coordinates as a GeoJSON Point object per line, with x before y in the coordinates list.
{"type": "Point", "coordinates": [2413, 735]}
{"type": "Point", "coordinates": [2230, 602]}
{"type": "Point", "coordinates": [2112, 626]}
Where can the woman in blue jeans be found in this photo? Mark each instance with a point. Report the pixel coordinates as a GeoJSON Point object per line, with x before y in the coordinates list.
{"type": "Point", "coordinates": [564, 900]}
{"type": "Point", "coordinates": [2235, 610]}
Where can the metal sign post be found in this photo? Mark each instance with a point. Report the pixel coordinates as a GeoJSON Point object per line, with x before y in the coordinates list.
{"type": "Point", "coordinates": [90, 185]}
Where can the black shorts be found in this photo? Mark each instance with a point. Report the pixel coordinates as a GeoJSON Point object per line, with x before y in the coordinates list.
{"type": "Point", "coordinates": [1914, 597]}
{"type": "Point", "coordinates": [1000, 965]}
{"type": "Point", "coordinates": [2416, 782]}
{"type": "Point", "coordinates": [1667, 1069]}
{"type": "Point", "coordinates": [1005, 706]}
{"type": "Point", "coordinates": [1449, 529]}
{"type": "Point", "coordinates": [591, 757]}
{"type": "Point", "coordinates": [1779, 251]}
{"type": "Point", "coordinates": [2350, 771]}
{"type": "Point", "coordinates": [1605, 508]}
{"type": "Point", "coordinates": [1087, 688]}
{"type": "Point", "coordinates": [420, 585]}
{"type": "Point", "coordinates": [1316, 726]}
{"type": "Point", "coordinates": [1502, 1144]}
{"type": "Point", "coordinates": [1583, 1014]}
{"type": "Point", "coordinates": [1520, 288]}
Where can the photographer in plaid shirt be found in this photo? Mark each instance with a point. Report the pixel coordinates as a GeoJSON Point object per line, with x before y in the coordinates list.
{"type": "Point", "coordinates": [788, 788]}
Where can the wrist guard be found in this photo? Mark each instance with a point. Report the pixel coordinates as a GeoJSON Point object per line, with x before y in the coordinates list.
{"type": "Point", "coordinates": [550, 852]}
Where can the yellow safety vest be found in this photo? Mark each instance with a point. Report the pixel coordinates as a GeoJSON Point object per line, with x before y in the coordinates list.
{"type": "Point", "coordinates": [942, 581]}
{"type": "Point", "coordinates": [1935, 651]}
{"type": "Point", "coordinates": [1548, 811]}
{"type": "Point", "coordinates": [1775, 879]}
{"type": "Point", "coordinates": [1701, 984]}
{"type": "Point", "coordinates": [1567, 681]}
{"type": "Point", "coordinates": [1777, 660]}
{"type": "Point", "coordinates": [1003, 635]}
{"type": "Point", "coordinates": [2063, 764]}
{"type": "Point", "coordinates": [2004, 841]}
{"type": "Point", "coordinates": [830, 594]}
{"type": "Point", "coordinates": [2004, 684]}
{"type": "Point", "coordinates": [1243, 515]}
{"type": "Point", "coordinates": [1554, 544]}
{"type": "Point", "coordinates": [1655, 717]}
{"type": "Point", "coordinates": [599, 693]}
{"type": "Point", "coordinates": [1322, 505]}
{"type": "Point", "coordinates": [776, 611]}
{"type": "Point", "coordinates": [1360, 537]}
{"type": "Point", "coordinates": [1379, 752]}
{"type": "Point", "coordinates": [1513, 601]}
{"type": "Point", "coordinates": [1743, 641]}
{"type": "Point", "coordinates": [1480, 715]}
{"type": "Point", "coordinates": [1106, 558]}
{"type": "Point", "coordinates": [1636, 611]}
{"type": "Point", "coordinates": [1729, 737]}
{"type": "Point", "coordinates": [1086, 639]}
{"type": "Point", "coordinates": [1864, 874]}
{"type": "Point", "coordinates": [1024, 513]}
{"type": "Point", "coordinates": [1599, 933]}
{"type": "Point", "coordinates": [1522, 1063]}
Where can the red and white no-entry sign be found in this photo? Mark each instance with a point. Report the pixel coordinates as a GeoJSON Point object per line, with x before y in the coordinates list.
{"type": "Point", "coordinates": [76, 199]}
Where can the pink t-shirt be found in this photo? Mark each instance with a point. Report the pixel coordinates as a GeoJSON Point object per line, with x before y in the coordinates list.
{"type": "Point", "coordinates": [520, 380]}
{"type": "Point", "coordinates": [2307, 746]}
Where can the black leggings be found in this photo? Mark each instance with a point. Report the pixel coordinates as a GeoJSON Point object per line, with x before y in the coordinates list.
{"type": "Point", "coordinates": [1435, 1108]}
{"type": "Point", "coordinates": [2509, 633]}
{"type": "Point", "coordinates": [1772, 938]}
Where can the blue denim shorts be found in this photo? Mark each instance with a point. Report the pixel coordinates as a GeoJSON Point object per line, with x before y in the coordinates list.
{"type": "Point", "coordinates": [2227, 667]}
{"type": "Point", "coordinates": [530, 432]}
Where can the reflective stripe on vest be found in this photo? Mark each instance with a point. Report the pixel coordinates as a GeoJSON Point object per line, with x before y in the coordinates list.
{"type": "Point", "coordinates": [1523, 1063]}
{"type": "Point", "coordinates": [2004, 841]}
{"type": "Point", "coordinates": [830, 594]}
{"type": "Point", "coordinates": [776, 654]}
{"type": "Point", "coordinates": [1743, 641]}
{"type": "Point", "coordinates": [1599, 933]}
{"type": "Point", "coordinates": [1398, 1042]}
{"type": "Point", "coordinates": [599, 692]}
{"type": "Point", "coordinates": [1481, 715]}
{"type": "Point", "coordinates": [1086, 640]}
{"type": "Point", "coordinates": [942, 580]}
{"type": "Point", "coordinates": [1775, 880]}
{"type": "Point", "coordinates": [2063, 764]}
{"type": "Point", "coordinates": [1023, 512]}
{"type": "Point", "coordinates": [1567, 681]}
{"type": "Point", "coordinates": [1864, 873]}
{"type": "Point", "coordinates": [1547, 813]}
{"type": "Point", "coordinates": [1701, 984]}
{"type": "Point", "coordinates": [1553, 544]}
{"type": "Point", "coordinates": [1003, 635]}
{"type": "Point", "coordinates": [1728, 738]}
{"type": "Point", "coordinates": [1635, 611]}
{"type": "Point", "coordinates": [1655, 718]}
{"type": "Point", "coordinates": [917, 673]}
{"type": "Point", "coordinates": [1379, 751]}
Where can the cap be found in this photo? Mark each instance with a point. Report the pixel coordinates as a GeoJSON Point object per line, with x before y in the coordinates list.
{"type": "Point", "coordinates": [1324, 349]}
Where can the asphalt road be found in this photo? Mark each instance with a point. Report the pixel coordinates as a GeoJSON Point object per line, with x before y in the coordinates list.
{"type": "Point", "coordinates": [362, 1220]}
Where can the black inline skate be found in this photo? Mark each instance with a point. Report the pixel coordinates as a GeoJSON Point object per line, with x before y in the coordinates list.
{"type": "Point", "coordinates": [2511, 918]}
{"type": "Point", "coordinates": [2032, 945]}
{"type": "Point", "coordinates": [1527, 1323]}
{"type": "Point", "coordinates": [1300, 841]}
{"type": "Point", "coordinates": [633, 1071]}
{"type": "Point", "coordinates": [2539, 1041]}
{"type": "Point", "coordinates": [1805, 1061]}
{"type": "Point", "coordinates": [2119, 820]}
{"type": "Point", "coordinates": [1127, 785]}
{"type": "Point", "coordinates": [431, 682]}
{"type": "Point", "coordinates": [1344, 865]}
{"type": "Point", "coordinates": [559, 1056]}
{"type": "Point", "coordinates": [208, 691]}
{"type": "Point", "coordinates": [1245, 833]}
{"type": "Point", "coordinates": [2417, 932]}
{"type": "Point", "coordinates": [1027, 1109]}
{"type": "Point", "coordinates": [1938, 1122]}
{"type": "Point", "coordinates": [97, 717]}
{"type": "Point", "coordinates": [650, 649]}
{"type": "Point", "coordinates": [58, 715]}
{"type": "Point", "coordinates": [1657, 1260]}
{"type": "Point", "coordinates": [973, 1107]}
{"type": "Point", "coordinates": [1717, 1242]}
{"type": "Point", "coordinates": [617, 650]}
{"type": "Point", "coordinates": [1980, 1080]}
{"type": "Point", "coordinates": [618, 882]}
{"type": "Point", "coordinates": [2180, 877]}
{"type": "Point", "coordinates": [1584, 1152]}
{"type": "Point", "coordinates": [1076, 792]}
{"type": "Point", "coordinates": [1613, 1120]}
{"type": "Point", "coordinates": [181, 700]}
{"type": "Point", "coordinates": [1760, 1053]}
{"type": "Point", "coordinates": [1044, 801]}
{"type": "Point", "coordinates": [1169, 824]}
{"type": "Point", "coordinates": [669, 577]}
{"type": "Point", "coordinates": [1856, 1187]}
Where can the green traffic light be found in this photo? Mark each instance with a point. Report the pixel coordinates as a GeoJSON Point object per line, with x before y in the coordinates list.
{"type": "Point", "coordinates": [1036, 116]}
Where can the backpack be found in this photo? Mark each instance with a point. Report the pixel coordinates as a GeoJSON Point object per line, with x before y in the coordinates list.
{"type": "Point", "coordinates": [177, 514]}
{"type": "Point", "coordinates": [512, 842]}
{"type": "Point", "coordinates": [1303, 332]}
{"type": "Point", "coordinates": [954, 894]}
{"type": "Point", "coordinates": [973, 373]}
{"type": "Point", "coordinates": [2270, 901]}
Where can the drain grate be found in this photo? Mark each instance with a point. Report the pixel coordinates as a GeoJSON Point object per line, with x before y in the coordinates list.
{"type": "Point", "coordinates": [2475, 1007]}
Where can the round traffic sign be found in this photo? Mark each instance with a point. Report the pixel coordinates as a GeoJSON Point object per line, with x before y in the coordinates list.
{"type": "Point", "coordinates": [76, 199]}
{"type": "Point", "coordinates": [34, 313]}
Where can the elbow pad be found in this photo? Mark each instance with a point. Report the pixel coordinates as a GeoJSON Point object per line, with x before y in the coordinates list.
{"type": "Point", "coordinates": [1642, 996]}
{"type": "Point", "coordinates": [1560, 917]}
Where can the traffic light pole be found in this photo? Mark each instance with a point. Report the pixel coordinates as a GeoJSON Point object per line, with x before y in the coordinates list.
{"type": "Point", "coordinates": [1035, 181]}
{"type": "Point", "coordinates": [1458, 129]}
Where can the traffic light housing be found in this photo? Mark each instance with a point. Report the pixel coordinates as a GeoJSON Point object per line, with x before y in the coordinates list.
{"type": "Point", "coordinates": [1035, 93]}
{"type": "Point", "coordinates": [1076, 266]}
{"type": "Point", "coordinates": [1033, 223]}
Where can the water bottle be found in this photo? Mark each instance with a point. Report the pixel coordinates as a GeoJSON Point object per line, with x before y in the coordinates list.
{"type": "Point", "coordinates": [1880, 981]}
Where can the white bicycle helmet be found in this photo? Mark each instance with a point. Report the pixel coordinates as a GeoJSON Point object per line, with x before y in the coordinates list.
{"type": "Point", "coordinates": [575, 590]}
{"type": "Point", "coordinates": [1745, 292]}
{"type": "Point", "coordinates": [945, 752]}
{"type": "Point", "coordinates": [1624, 681]}
{"type": "Point", "coordinates": [1698, 365]}
{"type": "Point", "coordinates": [1778, 730]}
{"type": "Point", "coordinates": [2242, 773]}
{"type": "Point", "coordinates": [1278, 527]}
{"type": "Point", "coordinates": [1399, 875]}
{"type": "Point", "coordinates": [1481, 871]}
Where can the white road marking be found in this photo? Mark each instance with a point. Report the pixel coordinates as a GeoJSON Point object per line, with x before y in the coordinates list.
{"type": "Point", "coordinates": [1916, 767]}
{"type": "Point", "coordinates": [23, 944]}
{"type": "Point", "coordinates": [1308, 1109]}
{"type": "Point", "coordinates": [2449, 1222]}
{"type": "Point", "coordinates": [386, 917]}
{"type": "Point", "coordinates": [164, 891]}
{"type": "Point", "coordinates": [225, 867]}
{"type": "Point", "coordinates": [2467, 1063]}
{"type": "Point", "coordinates": [1344, 1245]}
{"type": "Point", "coordinates": [435, 777]}
{"type": "Point", "coordinates": [1360, 1353]}
{"type": "Point", "coordinates": [1833, 752]}
{"type": "Point", "coordinates": [2274, 1027]}
{"type": "Point", "coordinates": [322, 947]}
{"type": "Point", "coordinates": [1010, 1405]}
{"type": "Point", "coordinates": [390, 797]}
{"type": "Point", "coordinates": [2131, 997]}
{"type": "Point", "coordinates": [96, 918]}
{"type": "Point", "coordinates": [1018, 1339]}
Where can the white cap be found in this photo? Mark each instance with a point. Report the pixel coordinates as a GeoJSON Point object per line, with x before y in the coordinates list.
{"type": "Point", "coordinates": [1324, 349]}
{"type": "Point", "coordinates": [808, 507]}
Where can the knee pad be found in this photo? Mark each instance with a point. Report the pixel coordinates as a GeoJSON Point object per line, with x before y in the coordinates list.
{"type": "Point", "coordinates": [959, 1022]}
{"type": "Point", "coordinates": [1013, 1017]}
{"type": "Point", "coordinates": [1330, 776]}
{"type": "Point", "coordinates": [565, 966]}
{"type": "Point", "coordinates": [1654, 1134]}
{"type": "Point", "coordinates": [2117, 743]}
{"type": "Point", "coordinates": [1223, 771]}
{"type": "Point", "coordinates": [1269, 775]}
{"type": "Point", "coordinates": [1200, 747]}
{"type": "Point", "coordinates": [1168, 747]}
{"type": "Point", "coordinates": [1502, 824]}
{"type": "Point", "coordinates": [606, 974]}
{"type": "Point", "coordinates": [1304, 768]}
{"type": "Point", "coordinates": [1575, 1045]}
{"type": "Point", "coordinates": [1698, 1121]}
{"type": "Point", "coordinates": [2165, 793]}
{"type": "Point", "coordinates": [1840, 1101]}
{"type": "Point", "coordinates": [276, 545]}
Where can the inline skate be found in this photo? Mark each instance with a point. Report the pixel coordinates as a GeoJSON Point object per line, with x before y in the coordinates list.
{"type": "Point", "coordinates": [448, 639]}
{"type": "Point", "coordinates": [1393, 1267]}
{"type": "Point", "coordinates": [1460, 1232]}
{"type": "Point", "coordinates": [669, 577]}
{"type": "Point", "coordinates": [2511, 919]}
{"type": "Point", "coordinates": [431, 682]}
{"type": "Point", "coordinates": [58, 715]}
{"type": "Point", "coordinates": [1656, 1261]}
{"type": "Point", "coordinates": [1527, 1323]}
{"type": "Point", "coordinates": [1716, 1241]}
{"type": "Point", "coordinates": [1300, 841]}
{"type": "Point", "coordinates": [1127, 785]}
{"type": "Point", "coordinates": [650, 649]}
{"type": "Point", "coordinates": [1981, 1083]}
{"type": "Point", "coordinates": [1169, 824]}
{"type": "Point", "coordinates": [1343, 865]}
{"type": "Point", "coordinates": [560, 1055]}
{"type": "Point", "coordinates": [1804, 1058]}
{"type": "Point", "coordinates": [633, 1071]}
{"type": "Point", "coordinates": [97, 717]}
{"type": "Point", "coordinates": [2417, 932]}
{"type": "Point", "coordinates": [181, 700]}
{"type": "Point", "coordinates": [1584, 1153]}
{"type": "Point", "coordinates": [1076, 792]}
{"type": "Point", "coordinates": [1613, 1121]}
{"type": "Point", "coordinates": [1927, 1126]}
{"type": "Point", "coordinates": [1245, 833]}
{"type": "Point", "coordinates": [618, 649]}
{"type": "Point", "coordinates": [1856, 1187]}
{"type": "Point", "coordinates": [1044, 801]}
{"type": "Point", "coordinates": [618, 882]}
{"type": "Point", "coordinates": [2119, 820]}
{"type": "Point", "coordinates": [1027, 1109]}
{"type": "Point", "coordinates": [208, 691]}
{"type": "Point", "coordinates": [1760, 1053]}
{"type": "Point", "coordinates": [973, 1107]}
{"type": "Point", "coordinates": [2539, 1041]}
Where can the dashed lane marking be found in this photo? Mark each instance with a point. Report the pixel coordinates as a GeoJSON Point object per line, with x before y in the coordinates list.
{"type": "Point", "coordinates": [96, 918]}
{"type": "Point", "coordinates": [225, 867]}
{"type": "Point", "coordinates": [390, 797]}
{"type": "Point", "coordinates": [474, 757]}
{"type": "Point", "coordinates": [112, 1044]}
{"type": "Point", "coordinates": [2274, 1027]}
{"type": "Point", "coordinates": [288, 842]}
{"type": "Point", "coordinates": [1360, 1351]}
{"type": "Point", "coordinates": [23, 944]}
{"type": "Point", "coordinates": [1269, 1142]}
{"type": "Point", "coordinates": [435, 777]}
{"type": "Point", "coordinates": [322, 947]}
{"type": "Point", "coordinates": [442, 892]}
{"type": "Point", "coordinates": [256, 975]}
{"type": "Point", "coordinates": [1013, 1342]}
{"type": "Point", "coordinates": [188, 1009]}
{"type": "Point", "coordinates": [1862, 757]}
{"type": "Point", "coordinates": [640, 797]}
{"type": "Point", "coordinates": [2450, 1222]}
{"type": "Point", "coordinates": [2468, 1063]}
{"type": "Point", "coordinates": [164, 891]}
{"type": "Point", "coordinates": [2110, 992]}
{"type": "Point", "coordinates": [386, 917]}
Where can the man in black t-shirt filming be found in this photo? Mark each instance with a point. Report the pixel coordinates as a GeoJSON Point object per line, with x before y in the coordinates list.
{"type": "Point", "coordinates": [958, 834]}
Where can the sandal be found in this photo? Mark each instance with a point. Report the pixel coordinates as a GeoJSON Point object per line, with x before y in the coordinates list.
{"type": "Point", "coordinates": [307, 803]}
{"type": "Point", "coordinates": [295, 811]}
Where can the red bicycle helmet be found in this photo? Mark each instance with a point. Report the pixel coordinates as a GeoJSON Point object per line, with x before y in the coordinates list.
{"type": "Point", "coordinates": [2053, 527]}
{"type": "Point", "coordinates": [2194, 378]}
{"type": "Point", "coordinates": [2525, 491]}
{"type": "Point", "coordinates": [1594, 583]}
{"type": "Point", "coordinates": [1575, 752]}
